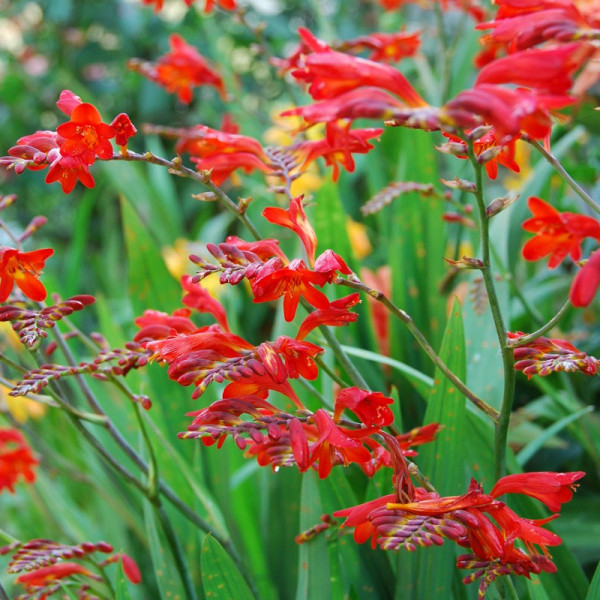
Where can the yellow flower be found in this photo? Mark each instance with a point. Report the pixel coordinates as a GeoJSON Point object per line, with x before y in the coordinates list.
{"type": "Point", "coordinates": [20, 407]}
{"type": "Point", "coordinates": [359, 240]}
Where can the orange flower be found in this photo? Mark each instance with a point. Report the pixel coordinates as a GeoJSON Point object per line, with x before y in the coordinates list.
{"type": "Point", "coordinates": [557, 233]}
{"type": "Point", "coordinates": [23, 268]}
{"type": "Point", "coordinates": [16, 459]}
{"type": "Point", "coordinates": [182, 69]}
{"type": "Point", "coordinates": [86, 136]}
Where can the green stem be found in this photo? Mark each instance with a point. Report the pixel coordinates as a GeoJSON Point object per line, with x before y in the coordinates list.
{"type": "Point", "coordinates": [422, 341]}
{"type": "Point", "coordinates": [563, 173]}
{"type": "Point", "coordinates": [325, 368]}
{"type": "Point", "coordinates": [522, 341]}
{"type": "Point", "coordinates": [7, 538]}
{"type": "Point", "coordinates": [508, 360]}
{"type": "Point", "coordinates": [357, 379]}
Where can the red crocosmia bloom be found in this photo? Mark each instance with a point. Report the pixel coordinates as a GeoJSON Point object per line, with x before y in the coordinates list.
{"type": "Point", "coordinates": [23, 268]}
{"type": "Point", "coordinates": [68, 101]}
{"type": "Point", "coordinates": [130, 568]}
{"type": "Point", "coordinates": [157, 325]}
{"type": "Point", "coordinates": [16, 459]}
{"type": "Point", "coordinates": [586, 282]}
{"type": "Point", "coordinates": [259, 385]}
{"type": "Point", "coordinates": [203, 141]}
{"type": "Point", "coordinates": [363, 102]}
{"type": "Point", "coordinates": [544, 356]}
{"type": "Point", "coordinates": [509, 111]}
{"type": "Point", "coordinates": [294, 218]}
{"type": "Point", "coordinates": [292, 282]}
{"type": "Point", "coordinates": [329, 263]}
{"type": "Point", "coordinates": [385, 47]}
{"type": "Point", "coordinates": [68, 171]}
{"type": "Point", "coordinates": [33, 152]}
{"type": "Point", "coordinates": [124, 129]}
{"type": "Point", "coordinates": [223, 165]}
{"type": "Point", "coordinates": [45, 575]}
{"type": "Point", "coordinates": [553, 489]}
{"type": "Point", "coordinates": [330, 73]}
{"type": "Point", "coordinates": [372, 408]}
{"type": "Point", "coordinates": [506, 156]}
{"type": "Point", "coordinates": [417, 437]}
{"type": "Point", "coordinates": [184, 68]}
{"type": "Point", "coordinates": [338, 146]}
{"type": "Point", "coordinates": [224, 4]}
{"type": "Point", "coordinates": [336, 445]}
{"type": "Point", "coordinates": [86, 136]}
{"type": "Point", "coordinates": [198, 297]}
{"type": "Point", "coordinates": [557, 233]}
{"type": "Point", "coordinates": [547, 70]}
{"type": "Point", "coordinates": [335, 315]}
{"type": "Point", "coordinates": [298, 356]}
{"type": "Point", "coordinates": [264, 249]}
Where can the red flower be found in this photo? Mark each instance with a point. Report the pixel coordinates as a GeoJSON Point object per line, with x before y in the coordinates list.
{"type": "Point", "coordinates": [553, 489]}
{"type": "Point", "coordinates": [157, 325]}
{"type": "Point", "coordinates": [335, 315]}
{"type": "Point", "coordinates": [547, 70]}
{"type": "Point", "coordinates": [223, 165]}
{"type": "Point", "coordinates": [23, 268]}
{"type": "Point", "coordinates": [294, 218]}
{"type": "Point", "coordinates": [363, 102]}
{"type": "Point", "coordinates": [372, 408]}
{"type": "Point", "coordinates": [385, 46]}
{"type": "Point", "coordinates": [40, 578]}
{"type": "Point", "coordinates": [198, 297]}
{"type": "Point", "coordinates": [68, 101]}
{"type": "Point", "coordinates": [338, 146]}
{"type": "Point", "coordinates": [330, 73]}
{"type": "Point", "coordinates": [16, 459]}
{"type": "Point", "coordinates": [124, 129]}
{"type": "Point", "coordinates": [586, 282]}
{"type": "Point", "coordinates": [557, 234]}
{"type": "Point", "coordinates": [182, 69]}
{"type": "Point", "coordinates": [86, 136]}
{"type": "Point", "coordinates": [291, 282]}
{"type": "Point", "coordinates": [68, 171]}
{"type": "Point", "coordinates": [203, 141]}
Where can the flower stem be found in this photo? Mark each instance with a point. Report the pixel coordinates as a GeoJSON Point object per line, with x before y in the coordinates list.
{"type": "Point", "coordinates": [422, 341]}
{"type": "Point", "coordinates": [508, 360]}
{"type": "Point", "coordinates": [523, 340]}
{"type": "Point", "coordinates": [563, 173]}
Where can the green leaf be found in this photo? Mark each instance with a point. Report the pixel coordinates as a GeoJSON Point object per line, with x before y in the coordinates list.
{"type": "Point", "coordinates": [221, 579]}
{"type": "Point", "coordinates": [313, 570]}
{"type": "Point", "coordinates": [594, 591]}
{"type": "Point", "coordinates": [444, 460]}
{"type": "Point", "coordinates": [121, 589]}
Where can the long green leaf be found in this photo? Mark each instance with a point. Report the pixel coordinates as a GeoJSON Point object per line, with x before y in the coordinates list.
{"type": "Point", "coordinates": [594, 591]}
{"type": "Point", "coordinates": [221, 579]}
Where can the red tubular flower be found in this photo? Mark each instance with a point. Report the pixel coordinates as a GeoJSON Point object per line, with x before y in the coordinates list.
{"type": "Point", "coordinates": [509, 111]}
{"type": "Point", "coordinates": [553, 489]}
{"type": "Point", "coordinates": [298, 356]}
{"type": "Point", "coordinates": [68, 101]}
{"type": "Point", "coordinates": [417, 437]}
{"type": "Point", "coordinates": [363, 102]}
{"type": "Point", "coordinates": [44, 575]}
{"type": "Point", "coordinates": [16, 459]}
{"type": "Point", "coordinates": [68, 171]}
{"type": "Point", "coordinates": [23, 268]}
{"type": "Point", "coordinates": [265, 249]}
{"type": "Point", "coordinates": [548, 70]}
{"type": "Point", "coordinates": [330, 73]}
{"type": "Point", "coordinates": [557, 234]}
{"type": "Point", "coordinates": [124, 129]}
{"type": "Point", "coordinates": [184, 68]}
{"type": "Point", "coordinates": [385, 47]}
{"type": "Point", "coordinates": [372, 408]}
{"type": "Point", "coordinates": [586, 282]}
{"type": "Point", "coordinates": [291, 282]}
{"type": "Point", "coordinates": [198, 297]}
{"type": "Point", "coordinates": [338, 146]}
{"type": "Point", "coordinates": [335, 315]}
{"type": "Point", "coordinates": [223, 165]}
{"type": "Point", "coordinates": [86, 136]}
{"type": "Point", "coordinates": [203, 141]}
{"type": "Point", "coordinates": [294, 218]}
{"type": "Point", "coordinates": [157, 325]}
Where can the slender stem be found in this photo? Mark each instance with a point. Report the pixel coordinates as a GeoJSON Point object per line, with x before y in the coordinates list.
{"type": "Point", "coordinates": [7, 538]}
{"type": "Point", "coordinates": [176, 549]}
{"type": "Point", "coordinates": [563, 173]}
{"type": "Point", "coordinates": [12, 364]}
{"type": "Point", "coordinates": [422, 341]}
{"type": "Point", "coordinates": [354, 374]}
{"type": "Point", "coordinates": [176, 168]}
{"type": "Point", "coordinates": [523, 340]}
{"type": "Point", "coordinates": [325, 368]}
{"type": "Point", "coordinates": [508, 359]}
{"type": "Point", "coordinates": [3, 595]}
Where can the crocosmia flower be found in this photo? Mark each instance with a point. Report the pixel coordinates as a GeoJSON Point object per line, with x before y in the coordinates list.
{"type": "Point", "coordinates": [557, 233]}
{"type": "Point", "coordinates": [16, 459]}
{"type": "Point", "coordinates": [86, 136]}
{"type": "Point", "coordinates": [586, 282]}
{"type": "Point", "coordinates": [23, 268]}
{"type": "Point", "coordinates": [372, 408]}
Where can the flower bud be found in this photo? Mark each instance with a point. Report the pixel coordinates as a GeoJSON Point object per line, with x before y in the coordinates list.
{"type": "Point", "coordinates": [489, 154]}
{"type": "Point", "coordinates": [459, 184]}
{"type": "Point", "coordinates": [499, 204]}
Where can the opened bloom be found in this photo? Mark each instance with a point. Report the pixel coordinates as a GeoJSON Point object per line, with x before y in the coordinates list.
{"type": "Point", "coordinates": [24, 269]}
{"type": "Point", "coordinates": [16, 459]}
{"type": "Point", "coordinates": [557, 233]}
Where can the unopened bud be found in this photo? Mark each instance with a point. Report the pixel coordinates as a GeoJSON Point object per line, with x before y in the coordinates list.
{"type": "Point", "coordinates": [6, 201]}
{"type": "Point", "coordinates": [454, 217]}
{"type": "Point", "coordinates": [479, 132]}
{"type": "Point", "coordinates": [489, 154]}
{"type": "Point", "coordinates": [499, 204]}
{"type": "Point", "coordinates": [454, 148]}
{"type": "Point", "coordinates": [466, 262]}
{"type": "Point", "coordinates": [243, 204]}
{"type": "Point", "coordinates": [205, 196]}
{"type": "Point", "coordinates": [460, 184]}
